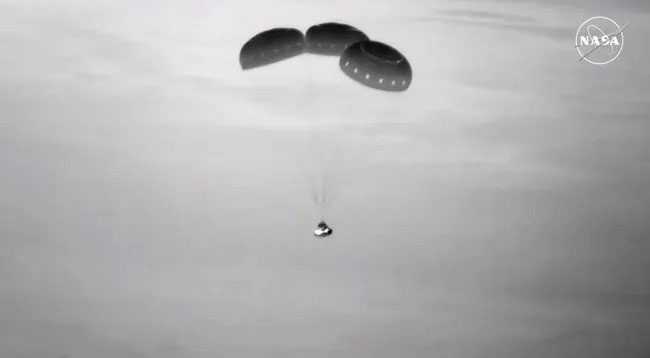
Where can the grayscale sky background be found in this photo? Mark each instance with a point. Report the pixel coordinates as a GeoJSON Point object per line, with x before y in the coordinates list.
{"type": "Point", "coordinates": [155, 200]}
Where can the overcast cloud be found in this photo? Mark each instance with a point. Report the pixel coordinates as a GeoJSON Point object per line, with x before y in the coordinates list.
{"type": "Point", "coordinates": [155, 199]}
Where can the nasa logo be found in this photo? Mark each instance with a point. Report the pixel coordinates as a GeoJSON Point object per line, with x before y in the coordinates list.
{"type": "Point", "coordinates": [599, 40]}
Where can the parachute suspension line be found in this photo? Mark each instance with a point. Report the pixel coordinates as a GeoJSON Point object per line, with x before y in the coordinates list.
{"type": "Point", "coordinates": [320, 198]}
{"type": "Point", "coordinates": [324, 200]}
{"type": "Point", "coordinates": [320, 194]}
{"type": "Point", "coordinates": [311, 99]}
{"type": "Point", "coordinates": [320, 202]}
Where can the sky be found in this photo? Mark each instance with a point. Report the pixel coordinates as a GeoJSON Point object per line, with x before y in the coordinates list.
{"type": "Point", "coordinates": [156, 200]}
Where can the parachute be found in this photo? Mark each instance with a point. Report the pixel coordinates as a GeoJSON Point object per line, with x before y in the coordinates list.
{"type": "Point", "coordinates": [271, 46]}
{"type": "Point", "coordinates": [376, 65]}
{"type": "Point", "coordinates": [370, 63]}
{"type": "Point", "coordinates": [332, 38]}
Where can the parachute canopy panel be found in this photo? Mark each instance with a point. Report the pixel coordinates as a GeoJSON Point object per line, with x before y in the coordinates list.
{"type": "Point", "coordinates": [332, 38]}
{"type": "Point", "coordinates": [271, 46]}
{"type": "Point", "coordinates": [376, 65]}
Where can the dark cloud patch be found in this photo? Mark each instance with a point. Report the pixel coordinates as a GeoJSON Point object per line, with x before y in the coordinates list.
{"type": "Point", "coordinates": [486, 15]}
{"type": "Point", "coordinates": [589, 339]}
{"type": "Point", "coordinates": [549, 32]}
{"type": "Point", "coordinates": [626, 5]}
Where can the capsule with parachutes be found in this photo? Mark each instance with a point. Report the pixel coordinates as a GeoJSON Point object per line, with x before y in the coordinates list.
{"type": "Point", "coordinates": [332, 38]}
{"type": "Point", "coordinates": [376, 65]}
{"type": "Point", "coordinates": [271, 46]}
{"type": "Point", "coordinates": [371, 63]}
{"type": "Point", "coordinates": [323, 230]}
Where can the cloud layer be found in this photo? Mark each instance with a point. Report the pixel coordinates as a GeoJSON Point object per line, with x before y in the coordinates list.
{"type": "Point", "coordinates": [156, 199]}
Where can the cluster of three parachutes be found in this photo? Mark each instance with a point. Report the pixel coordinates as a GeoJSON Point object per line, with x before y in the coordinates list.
{"type": "Point", "coordinates": [368, 62]}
